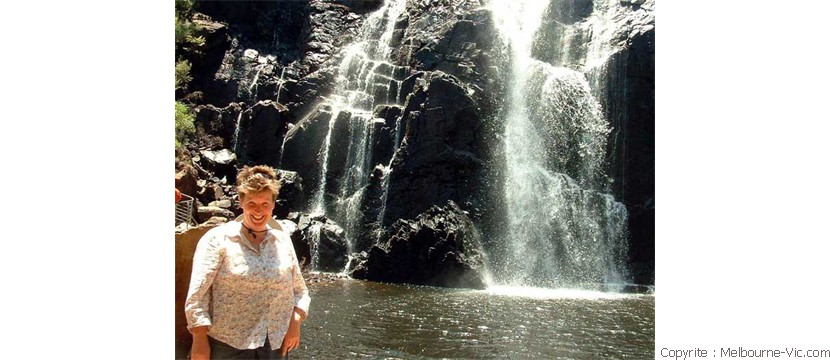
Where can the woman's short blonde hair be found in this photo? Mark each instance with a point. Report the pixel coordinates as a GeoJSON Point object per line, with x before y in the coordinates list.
{"type": "Point", "coordinates": [256, 179]}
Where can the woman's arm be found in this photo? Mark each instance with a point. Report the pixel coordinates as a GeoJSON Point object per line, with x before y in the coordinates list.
{"type": "Point", "coordinates": [206, 260]}
{"type": "Point", "coordinates": [291, 340]}
{"type": "Point", "coordinates": [201, 348]}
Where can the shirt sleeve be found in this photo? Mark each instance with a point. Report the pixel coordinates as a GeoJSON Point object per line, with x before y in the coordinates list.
{"type": "Point", "coordinates": [301, 298]}
{"type": "Point", "coordinates": [206, 262]}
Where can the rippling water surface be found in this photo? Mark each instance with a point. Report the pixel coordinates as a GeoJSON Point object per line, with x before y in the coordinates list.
{"type": "Point", "coordinates": [355, 319]}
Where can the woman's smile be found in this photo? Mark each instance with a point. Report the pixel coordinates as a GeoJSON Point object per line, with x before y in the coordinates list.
{"type": "Point", "coordinates": [257, 208]}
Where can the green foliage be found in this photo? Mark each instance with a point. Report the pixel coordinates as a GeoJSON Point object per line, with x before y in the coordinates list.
{"type": "Point", "coordinates": [184, 124]}
{"type": "Point", "coordinates": [182, 74]}
{"type": "Point", "coordinates": [184, 7]}
{"type": "Point", "coordinates": [186, 38]}
{"type": "Point", "coordinates": [186, 42]}
{"type": "Point", "coordinates": [185, 35]}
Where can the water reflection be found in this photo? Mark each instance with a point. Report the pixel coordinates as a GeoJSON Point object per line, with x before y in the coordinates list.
{"type": "Point", "coordinates": [354, 319]}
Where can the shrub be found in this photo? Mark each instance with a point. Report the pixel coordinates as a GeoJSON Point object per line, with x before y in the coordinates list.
{"type": "Point", "coordinates": [184, 124]}
{"type": "Point", "coordinates": [182, 74]}
{"type": "Point", "coordinates": [186, 38]}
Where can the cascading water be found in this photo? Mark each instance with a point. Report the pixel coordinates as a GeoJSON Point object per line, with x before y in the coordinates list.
{"type": "Point", "coordinates": [387, 170]}
{"type": "Point", "coordinates": [366, 77]}
{"type": "Point", "coordinates": [281, 82]}
{"type": "Point", "coordinates": [314, 244]}
{"type": "Point", "coordinates": [563, 231]}
{"type": "Point", "coordinates": [236, 131]}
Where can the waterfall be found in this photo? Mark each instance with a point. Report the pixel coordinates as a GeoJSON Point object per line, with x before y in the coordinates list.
{"type": "Point", "coordinates": [254, 82]}
{"type": "Point", "coordinates": [236, 131]}
{"type": "Point", "coordinates": [563, 230]}
{"type": "Point", "coordinates": [366, 77]}
{"type": "Point", "coordinates": [282, 81]}
{"type": "Point", "coordinates": [314, 244]}
{"type": "Point", "coordinates": [319, 196]}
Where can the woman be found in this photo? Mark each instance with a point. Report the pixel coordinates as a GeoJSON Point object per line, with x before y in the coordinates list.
{"type": "Point", "coordinates": [247, 297]}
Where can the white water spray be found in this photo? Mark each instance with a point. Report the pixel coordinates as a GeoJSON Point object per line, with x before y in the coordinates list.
{"type": "Point", "coordinates": [562, 230]}
{"type": "Point", "coordinates": [366, 78]}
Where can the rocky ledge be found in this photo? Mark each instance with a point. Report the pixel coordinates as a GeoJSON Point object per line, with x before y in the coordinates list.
{"type": "Point", "coordinates": [441, 247]}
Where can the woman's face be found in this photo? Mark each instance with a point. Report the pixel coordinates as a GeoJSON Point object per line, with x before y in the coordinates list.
{"type": "Point", "coordinates": [257, 208]}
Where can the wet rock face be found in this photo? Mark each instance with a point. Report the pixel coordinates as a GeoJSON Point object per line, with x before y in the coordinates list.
{"type": "Point", "coordinates": [215, 127]}
{"type": "Point", "coordinates": [629, 107]}
{"type": "Point", "coordinates": [268, 25]}
{"type": "Point", "coordinates": [441, 152]}
{"type": "Point", "coordinates": [361, 6]}
{"type": "Point", "coordinates": [327, 28]}
{"type": "Point", "coordinates": [441, 247]}
{"type": "Point", "coordinates": [261, 132]}
{"type": "Point", "coordinates": [271, 50]}
{"type": "Point", "coordinates": [458, 40]}
{"type": "Point", "coordinates": [302, 148]}
{"type": "Point", "coordinates": [560, 38]}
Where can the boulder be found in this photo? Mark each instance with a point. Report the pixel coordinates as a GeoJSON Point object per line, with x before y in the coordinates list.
{"type": "Point", "coordinates": [460, 44]}
{"type": "Point", "coordinates": [367, 230]}
{"type": "Point", "coordinates": [441, 247]}
{"type": "Point", "coordinates": [215, 33]}
{"type": "Point", "coordinates": [222, 163]}
{"type": "Point", "coordinates": [214, 221]}
{"type": "Point", "coordinates": [209, 193]}
{"type": "Point", "coordinates": [301, 247]}
{"type": "Point", "coordinates": [321, 243]}
{"type": "Point", "coordinates": [186, 178]}
{"type": "Point", "coordinates": [224, 203]}
{"type": "Point", "coordinates": [291, 195]}
{"type": "Point", "coordinates": [207, 212]}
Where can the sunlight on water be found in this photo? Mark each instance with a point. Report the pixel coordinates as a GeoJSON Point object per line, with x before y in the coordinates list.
{"type": "Point", "coordinates": [544, 293]}
{"type": "Point", "coordinates": [362, 319]}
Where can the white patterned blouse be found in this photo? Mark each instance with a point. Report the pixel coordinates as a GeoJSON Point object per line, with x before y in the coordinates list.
{"type": "Point", "coordinates": [245, 294]}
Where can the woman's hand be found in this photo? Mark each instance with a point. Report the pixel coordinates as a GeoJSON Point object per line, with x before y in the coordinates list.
{"type": "Point", "coordinates": [201, 348]}
{"type": "Point", "coordinates": [291, 340]}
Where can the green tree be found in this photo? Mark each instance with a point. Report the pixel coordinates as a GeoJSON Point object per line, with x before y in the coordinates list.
{"type": "Point", "coordinates": [186, 42]}
{"type": "Point", "coordinates": [186, 30]}
{"type": "Point", "coordinates": [184, 124]}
